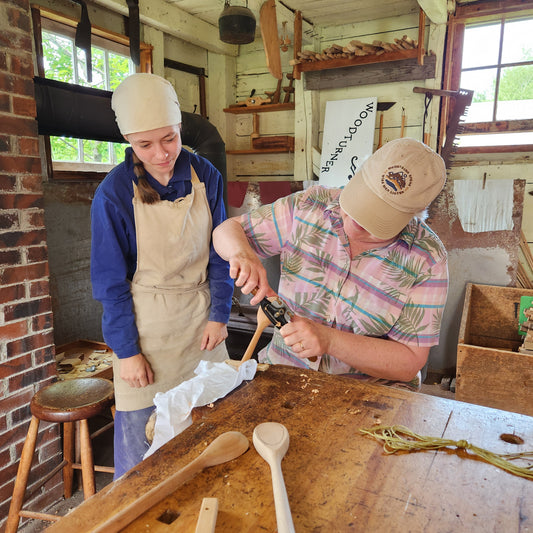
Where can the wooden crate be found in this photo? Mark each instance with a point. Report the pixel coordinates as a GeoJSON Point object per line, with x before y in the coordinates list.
{"type": "Point", "coordinates": [490, 370]}
{"type": "Point", "coordinates": [83, 355]}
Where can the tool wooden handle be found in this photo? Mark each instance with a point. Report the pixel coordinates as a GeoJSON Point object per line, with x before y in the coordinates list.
{"type": "Point", "coordinates": [207, 518]}
{"type": "Point", "coordinates": [262, 323]}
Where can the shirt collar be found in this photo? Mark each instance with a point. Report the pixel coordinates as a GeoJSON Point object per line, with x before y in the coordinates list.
{"type": "Point", "coordinates": [407, 235]}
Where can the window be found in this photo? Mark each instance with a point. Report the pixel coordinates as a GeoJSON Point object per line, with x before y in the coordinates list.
{"type": "Point", "coordinates": [63, 61]}
{"type": "Point", "coordinates": [491, 53]}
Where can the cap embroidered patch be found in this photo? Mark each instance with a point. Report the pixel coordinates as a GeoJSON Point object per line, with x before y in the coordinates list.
{"type": "Point", "coordinates": [396, 180]}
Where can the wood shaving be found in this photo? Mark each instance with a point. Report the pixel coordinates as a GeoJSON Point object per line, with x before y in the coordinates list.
{"type": "Point", "coordinates": [315, 391]}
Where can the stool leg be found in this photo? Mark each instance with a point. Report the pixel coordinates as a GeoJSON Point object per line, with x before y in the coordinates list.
{"type": "Point", "coordinates": [68, 456]}
{"type": "Point", "coordinates": [23, 473]}
{"type": "Point", "coordinates": [87, 465]}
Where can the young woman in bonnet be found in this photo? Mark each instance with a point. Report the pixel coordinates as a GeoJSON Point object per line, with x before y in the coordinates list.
{"type": "Point", "coordinates": [165, 292]}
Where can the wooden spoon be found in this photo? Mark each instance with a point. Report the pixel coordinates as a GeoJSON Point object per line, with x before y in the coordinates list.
{"type": "Point", "coordinates": [225, 447]}
{"type": "Point", "coordinates": [271, 440]}
{"type": "Point", "coordinates": [262, 323]}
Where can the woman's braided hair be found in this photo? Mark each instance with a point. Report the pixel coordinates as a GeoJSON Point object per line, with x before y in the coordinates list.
{"type": "Point", "coordinates": [148, 194]}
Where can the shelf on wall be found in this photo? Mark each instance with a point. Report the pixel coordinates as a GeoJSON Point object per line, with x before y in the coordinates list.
{"type": "Point", "coordinates": [241, 110]}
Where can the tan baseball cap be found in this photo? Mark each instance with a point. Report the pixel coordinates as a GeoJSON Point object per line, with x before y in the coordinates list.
{"type": "Point", "coordinates": [394, 184]}
{"type": "Point", "coordinates": [144, 102]}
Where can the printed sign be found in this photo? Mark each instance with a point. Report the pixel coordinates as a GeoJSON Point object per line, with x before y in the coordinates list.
{"type": "Point", "coordinates": [349, 127]}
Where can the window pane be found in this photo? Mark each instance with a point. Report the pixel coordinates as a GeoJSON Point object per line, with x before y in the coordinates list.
{"type": "Point", "coordinates": [96, 152]}
{"type": "Point", "coordinates": [515, 96]}
{"type": "Point", "coordinates": [58, 57]}
{"type": "Point", "coordinates": [483, 83]}
{"type": "Point", "coordinates": [98, 72]}
{"type": "Point", "coordinates": [481, 46]}
{"type": "Point", "coordinates": [119, 150]}
{"type": "Point", "coordinates": [496, 139]}
{"type": "Point", "coordinates": [120, 67]}
{"type": "Point", "coordinates": [518, 41]}
{"type": "Point", "coordinates": [64, 149]}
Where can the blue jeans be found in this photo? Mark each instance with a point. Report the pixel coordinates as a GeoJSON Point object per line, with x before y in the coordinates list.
{"type": "Point", "coordinates": [130, 442]}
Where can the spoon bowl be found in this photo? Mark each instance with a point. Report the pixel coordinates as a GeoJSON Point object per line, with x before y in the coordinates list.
{"type": "Point", "coordinates": [271, 440]}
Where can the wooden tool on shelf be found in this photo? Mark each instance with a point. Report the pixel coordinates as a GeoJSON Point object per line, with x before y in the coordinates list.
{"type": "Point", "coordinates": [269, 34]}
{"type": "Point", "coordinates": [275, 95]}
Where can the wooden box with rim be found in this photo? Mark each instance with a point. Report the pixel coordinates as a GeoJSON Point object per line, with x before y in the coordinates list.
{"type": "Point", "coordinates": [490, 369]}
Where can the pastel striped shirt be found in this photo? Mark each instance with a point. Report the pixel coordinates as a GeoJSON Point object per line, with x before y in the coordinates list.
{"type": "Point", "coordinates": [396, 292]}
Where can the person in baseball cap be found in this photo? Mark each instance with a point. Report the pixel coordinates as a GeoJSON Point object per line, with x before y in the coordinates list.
{"type": "Point", "coordinates": [393, 185]}
{"type": "Point", "coordinates": [363, 274]}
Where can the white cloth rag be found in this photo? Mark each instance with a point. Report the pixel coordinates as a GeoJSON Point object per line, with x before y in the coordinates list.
{"type": "Point", "coordinates": [212, 381]}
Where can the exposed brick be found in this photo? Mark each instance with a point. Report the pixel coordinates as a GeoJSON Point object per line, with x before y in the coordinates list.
{"type": "Point", "coordinates": [5, 103]}
{"type": "Point", "coordinates": [42, 322]}
{"type": "Point", "coordinates": [44, 356]}
{"type": "Point", "coordinates": [25, 127]}
{"type": "Point", "coordinates": [21, 201]}
{"type": "Point", "coordinates": [3, 425]}
{"type": "Point", "coordinates": [5, 140]}
{"type": "Point", "coordinates": [31, 376]}
{"type": "Point", "coordinates": [26, 309]}
{"type": "Point", "coordinates": [28, 146]}
{"type": "Point", "coordinates": [27, 344]}
{"type": "Point", "coordinates": [11, 293]}
{"type": "Point", "coordinates": [24, 106]}
{"type": "Point", "coordinates": [13, 40]}
{"type": "Point", "coordinates": [15, 365]}
{"type": "Point", "coordinates": [9, 220]}
{"type": "Point", "coordinates": [36, 218]}
{"type": "Point", "coordinates": [23, 164]}
{"type": "Point", "coordinates": [10, 257]}
{"type": "Point", "coordinates": [3, 61]}
{"type": "Point", "coordinates": [23, 4]}
{"type": "Point", "coordinates": [15, 436]}
{"type": "Point", "coordinates": [21, 414]}
{"type": "Point", "coordinates": [15, 239]}
{"type": "Point", "coordinates": [37, 254]}
{"type": "Point", "coordinates": [39, 288]}
{"type": "Point", "coordinates": [32, 183]}
{"type": "Point", "coordinates": [22, 65]}
{"type": "Point", "coordinates": [7, 183]}
{"type": "Point", "coordinates": [13, 330]}
{"type": "Point", "coordinates": [18, 19]}
{"type": "Point", "coordinates": [12, 275]}
{"type": "Point", "coordinates": [14, 401]}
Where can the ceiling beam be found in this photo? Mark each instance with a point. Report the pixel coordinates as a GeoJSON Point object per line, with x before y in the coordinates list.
{"type": "Point", "coordinates": [174, 21]}
{"type": "Point", "coordinates": [437, 10]}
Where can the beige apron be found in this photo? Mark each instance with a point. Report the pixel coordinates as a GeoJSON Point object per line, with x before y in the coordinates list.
{"type": "Point", "coordinates": [171, 297]}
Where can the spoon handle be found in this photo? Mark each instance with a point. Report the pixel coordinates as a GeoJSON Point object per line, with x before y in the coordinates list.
{"type": "Point", "coordinates": [281, 501]}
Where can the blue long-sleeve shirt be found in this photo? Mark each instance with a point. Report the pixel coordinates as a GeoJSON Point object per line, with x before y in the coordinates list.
{"type": "Point", "coordinates": [114, 245]}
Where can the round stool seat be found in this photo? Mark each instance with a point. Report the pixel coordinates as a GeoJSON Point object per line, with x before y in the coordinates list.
{"type": "Point", "coordinates": [72, 399]}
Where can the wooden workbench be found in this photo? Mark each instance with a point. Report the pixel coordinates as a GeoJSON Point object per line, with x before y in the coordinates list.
{"type": "Point", "coordinates": [337, 479]}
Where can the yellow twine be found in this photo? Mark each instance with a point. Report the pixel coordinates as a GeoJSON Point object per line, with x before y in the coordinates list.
{"type": "Point", "coordinates": [398, 438]}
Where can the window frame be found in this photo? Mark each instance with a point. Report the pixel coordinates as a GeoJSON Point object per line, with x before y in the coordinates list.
{"type": "Point", "coordinates": [479, 12]}
{"type": "Point", "coordinates": [99, 37]}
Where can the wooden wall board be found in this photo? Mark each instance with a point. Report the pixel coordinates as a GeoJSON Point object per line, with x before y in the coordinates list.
{"type": "Point", "coordinates": [387, 72]}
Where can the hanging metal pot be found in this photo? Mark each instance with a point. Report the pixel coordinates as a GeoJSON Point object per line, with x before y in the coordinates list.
{"type": "Point", "coordinates": [236, 25]}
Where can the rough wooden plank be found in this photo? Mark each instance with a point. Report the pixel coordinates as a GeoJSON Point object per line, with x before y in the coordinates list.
{"type": "Point", "coordinates": [336, 478]}
{"type": "Point", "coordinates": [387, 72]}
{"type": "Point", "coordinates": [495, 378]}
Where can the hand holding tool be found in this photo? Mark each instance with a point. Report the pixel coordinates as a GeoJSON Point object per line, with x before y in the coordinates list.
{"type": "Point", "coordinates": [271, 440]}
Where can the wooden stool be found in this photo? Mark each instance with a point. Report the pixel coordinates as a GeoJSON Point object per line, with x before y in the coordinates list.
{"type": "Point", "coordinates": [66, 402]}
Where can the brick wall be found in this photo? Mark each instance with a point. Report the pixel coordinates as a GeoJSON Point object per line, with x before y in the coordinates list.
{"type": "Point", "coordinates": [26, 334]}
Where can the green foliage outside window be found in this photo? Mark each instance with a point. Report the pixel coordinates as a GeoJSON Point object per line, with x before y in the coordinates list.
{"type": "Point", "coordinates": [64, 62]}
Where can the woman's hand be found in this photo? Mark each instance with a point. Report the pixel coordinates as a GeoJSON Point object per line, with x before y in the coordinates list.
{"type": "Point", "coordinates": [136, 371]}
{"type": "Point", "coordinates": [214, 334]}
{"type": "Point", "coordinates": [306, 338]}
